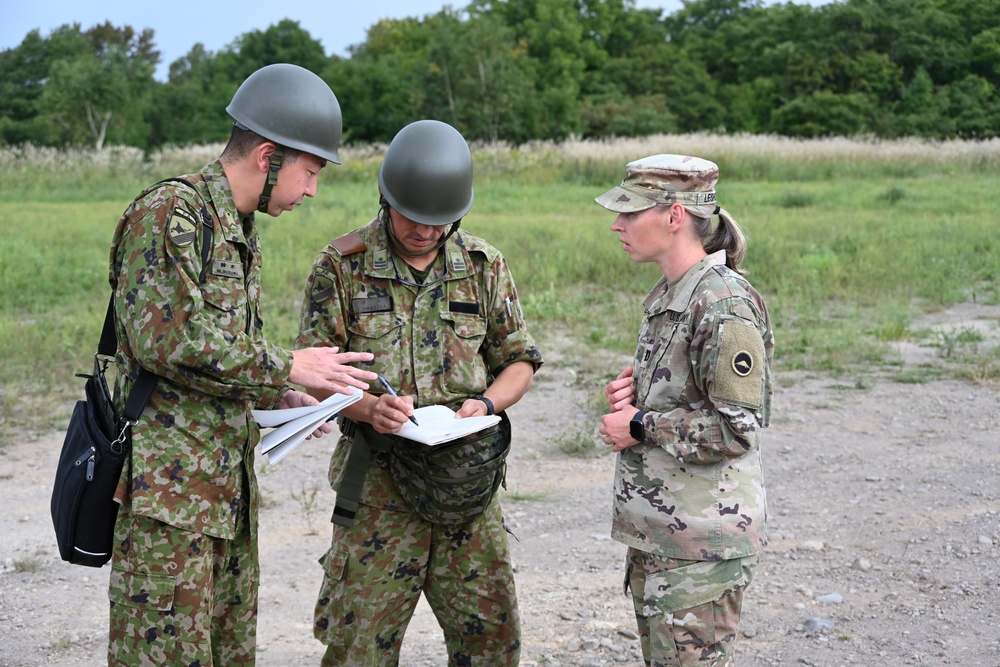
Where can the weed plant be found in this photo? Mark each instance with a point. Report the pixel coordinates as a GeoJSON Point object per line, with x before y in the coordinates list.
{"type": "Point", "coordinates": [849, 240]}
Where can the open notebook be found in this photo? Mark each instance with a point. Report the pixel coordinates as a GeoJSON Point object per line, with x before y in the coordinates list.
{"type": "Point", "coordinates": [292, 425]}
{"type": "Point", "coordinates": [438, 424]}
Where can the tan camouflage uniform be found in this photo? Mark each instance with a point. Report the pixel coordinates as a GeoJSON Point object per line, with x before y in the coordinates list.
{"type": "Point", "coordinates": [439, 344]}
{"type": "Point", "coordinates": [689, 501]}
{"type": "Point", "coordinates": [183, 586]}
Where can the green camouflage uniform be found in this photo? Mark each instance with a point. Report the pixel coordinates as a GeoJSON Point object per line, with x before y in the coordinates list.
{"type": "Point", "coordinates": [440, 344]}
{"type": "Point", "coordinates": [689, 501]}
{"type": "Point", "coordinates": [184, 573]}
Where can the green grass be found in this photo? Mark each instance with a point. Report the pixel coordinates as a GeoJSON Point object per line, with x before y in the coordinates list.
{"type": "Point", "coordinates": [847, 256]}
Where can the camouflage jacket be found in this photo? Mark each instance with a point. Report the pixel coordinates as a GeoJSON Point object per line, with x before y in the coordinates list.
{"type": "Point", "coordinates": [192, 450]}
{"type": "Point", "coordinates": [440, 344]}
{"type": "Point", "coordinates": [694, 488]}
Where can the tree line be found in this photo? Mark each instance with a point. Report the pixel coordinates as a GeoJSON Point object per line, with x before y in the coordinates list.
{"type": "Point", "coordinates": [521, 70]}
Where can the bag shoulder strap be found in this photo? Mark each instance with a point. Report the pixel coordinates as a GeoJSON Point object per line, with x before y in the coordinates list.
{"type": "Point", "coordinates": [108, 345]}
{"type": "Point", "coordinates": [144, 384]}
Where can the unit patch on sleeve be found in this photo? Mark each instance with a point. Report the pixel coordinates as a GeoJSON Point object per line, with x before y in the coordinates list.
{"type": "Point", "coordinates": [181, 228]}
{"type": "Point", "coordinates": [739, 370]}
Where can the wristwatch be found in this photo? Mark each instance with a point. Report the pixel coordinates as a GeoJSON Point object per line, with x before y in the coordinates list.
{"type": "Point", "coordinates": [489, 404]}
{"type": "Point", "coordinates": [636, 428]}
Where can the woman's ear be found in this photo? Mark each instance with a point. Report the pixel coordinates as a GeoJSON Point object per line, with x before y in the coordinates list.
{"type": "Point", "coordinates": [675, 217]}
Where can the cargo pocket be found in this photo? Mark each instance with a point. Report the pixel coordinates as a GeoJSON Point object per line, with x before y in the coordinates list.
{"type": "Point", "coordinates": [328, 619]}
{"type": "Point", "coordinates": [139, 602]}
{"type": "Point", "coordinates": [682, 609]}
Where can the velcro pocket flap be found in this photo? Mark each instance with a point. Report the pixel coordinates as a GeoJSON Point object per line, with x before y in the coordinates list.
{"type": "Point", "coordinates": [334, 563]}
{"type": "Point", "coordinates": [139, 589]}
{"type": "Point", "coordinates": [691, 586]}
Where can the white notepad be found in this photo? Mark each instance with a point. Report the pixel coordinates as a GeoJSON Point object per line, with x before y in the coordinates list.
{"type": "Point", "coordinates": [293, 425]}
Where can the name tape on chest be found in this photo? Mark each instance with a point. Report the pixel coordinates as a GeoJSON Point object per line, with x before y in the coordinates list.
{"type": "Point", "coordinates": [227, 269]}
{"type": "Point", "coordinates": [375, 304]}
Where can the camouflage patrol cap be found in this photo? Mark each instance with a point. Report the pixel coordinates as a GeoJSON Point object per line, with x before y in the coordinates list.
{"type": "Point", "coordinates": [663, 179]}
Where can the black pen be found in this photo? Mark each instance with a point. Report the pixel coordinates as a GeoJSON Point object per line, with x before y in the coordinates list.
{"type": "Point", "coordinates": [388, 388]}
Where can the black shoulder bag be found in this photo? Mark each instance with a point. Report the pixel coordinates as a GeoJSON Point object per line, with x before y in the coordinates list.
{"type": "Point", "coordinates": [97, 443]}
{"type": "Point", "coordinates": [93, 454]}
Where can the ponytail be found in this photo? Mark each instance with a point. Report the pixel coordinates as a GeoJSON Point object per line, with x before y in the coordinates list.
{"type": "Point", "coordinates": [727, 236]}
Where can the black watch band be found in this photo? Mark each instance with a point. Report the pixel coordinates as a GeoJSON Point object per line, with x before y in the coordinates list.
{"type": "Point", "coordinates": [636, 427]}
{"type": "Point", "coordinates": [489, 404]}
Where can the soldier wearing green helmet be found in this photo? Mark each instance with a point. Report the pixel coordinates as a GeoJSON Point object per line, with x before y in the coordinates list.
{"type": "Point", "coordinates": [185, 269]}
{"type": "Point", "coordinates": [438, 309]}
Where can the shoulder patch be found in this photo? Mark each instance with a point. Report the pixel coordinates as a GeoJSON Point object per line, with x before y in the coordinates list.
{"type": "Point", "coordinates": [739, 370]}
{"type": "Point", "coordinates": [181, 228]}
{"type": "Point", "coordinates": [322, 288]}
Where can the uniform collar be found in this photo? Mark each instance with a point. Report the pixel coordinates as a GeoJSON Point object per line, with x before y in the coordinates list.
{"type": "Point", "coordinates": [677, 297]}
{"type": "Point", "coordinates": [379, 260]}
{"type": "Point", "coordinates": [220, 195]}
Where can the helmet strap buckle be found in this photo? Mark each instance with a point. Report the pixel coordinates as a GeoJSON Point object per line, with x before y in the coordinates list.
{"type": "Point", "coordinates": [273, 165]}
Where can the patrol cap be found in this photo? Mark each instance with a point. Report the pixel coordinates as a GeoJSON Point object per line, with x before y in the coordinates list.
{"type": "Point", "coordinates": [663, 179]}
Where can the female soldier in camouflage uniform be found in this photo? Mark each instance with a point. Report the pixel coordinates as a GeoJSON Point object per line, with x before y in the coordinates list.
{"type": "Point", "coordinates": [688, 417]}
{"type": "Point", "coordinates": [185, 265]}
{"type": "Point", "coordinates": [438, 309]}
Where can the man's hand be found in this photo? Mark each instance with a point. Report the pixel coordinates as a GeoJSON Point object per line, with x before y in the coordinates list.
{"type": "Point", "coordinates": [620, 391]}
{"type": "Point", "coordinates": [471, 407]}
{"type": "Point", "coordinates": [298, 399]}
{"type": "Point", "coordinates": [325, 370]}
{"type": "Point", "coordinates": [389, 413]}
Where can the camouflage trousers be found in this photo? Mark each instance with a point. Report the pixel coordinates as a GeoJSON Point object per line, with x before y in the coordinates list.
{"type": "Point", "coordinates": [688, 611]}
{"type": "Point", "coordinates": [376, 570]}
{"type": "Point", "coordinates": [181, 598]}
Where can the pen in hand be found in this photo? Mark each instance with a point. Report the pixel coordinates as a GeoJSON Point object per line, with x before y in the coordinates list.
{"type": "Point", "coordinates": [388, 388]}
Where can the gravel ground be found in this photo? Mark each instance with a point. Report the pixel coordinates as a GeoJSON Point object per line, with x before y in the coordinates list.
{"type": "Point", "coordinates": [885, 543]}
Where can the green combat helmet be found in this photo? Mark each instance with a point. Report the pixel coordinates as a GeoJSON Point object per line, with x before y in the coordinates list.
{"type": "Point", "coordinates": [292, 107]}
{"type": "Point", "coordinates": [427, 174]}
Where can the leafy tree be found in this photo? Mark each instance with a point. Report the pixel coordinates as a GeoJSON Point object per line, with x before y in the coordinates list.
{"type": "Point", "coordinates": [984, 54]}
{"type": "Point", "coordinates": [23, 73]}
{"type": "Point", "coordinates": [379, 86]}
{"type": "Point", "coordinates": [474, 78]}
{"type": "Point", "coordinates": [283, 42]}
{"type": "Point", "coordinates": [552, 34]}
{"type": "Point", "coordinates": [974, 107]}
{"type": "Point", "coordinates": [822, 113]}
{"type": "Point", "coordinates": [102, 95]}
{"type": "Point", "coordinates": [919, 112]}
{"type": "Point", "coordinates": [191, 106]}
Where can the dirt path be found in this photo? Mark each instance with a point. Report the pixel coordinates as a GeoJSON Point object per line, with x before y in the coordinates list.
{"type": "Point", "coordinates": [885, 542]}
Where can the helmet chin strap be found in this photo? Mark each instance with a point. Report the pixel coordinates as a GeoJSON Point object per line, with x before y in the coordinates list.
{"type": "Point", "coordinates": [273, 165]}
{"type": "Point", "coordinates": [397, 246]}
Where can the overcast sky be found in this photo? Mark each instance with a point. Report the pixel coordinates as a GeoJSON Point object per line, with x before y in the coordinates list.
{"type": "Point", "coordinates": [337, 24]}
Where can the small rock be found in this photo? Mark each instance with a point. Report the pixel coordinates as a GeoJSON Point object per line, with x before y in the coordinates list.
{"type": "Point", "coordinates": [834, 598]}
{"type": "Point", "coordinates": [816, 624]}
{"type": "Point", "coordinates": [628, 634]}
{"type": "Point", "coordinates": [811, 545]}
{"type": "Point", "coordinates": [861, 564]}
